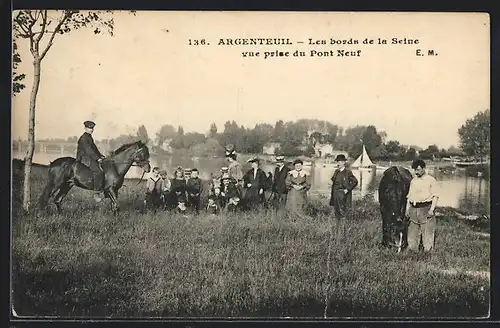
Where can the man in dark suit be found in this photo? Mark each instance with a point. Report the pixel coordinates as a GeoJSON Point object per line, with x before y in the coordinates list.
{"type": "Point", "coordinates": [279, 188]}
{"type": "Point", "coordinates": [343, 182]}
{"type": "Point", "coordinates": [88, 154]}
{"type": "Point", "coordinates": [255, 184]}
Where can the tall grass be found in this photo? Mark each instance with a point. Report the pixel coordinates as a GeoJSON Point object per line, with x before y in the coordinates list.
{"type": "Point", "coordinates": [88, 262]}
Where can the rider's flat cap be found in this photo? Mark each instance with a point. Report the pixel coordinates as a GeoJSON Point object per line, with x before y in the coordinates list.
{"type": "Point", "coordinates": [89, 124]}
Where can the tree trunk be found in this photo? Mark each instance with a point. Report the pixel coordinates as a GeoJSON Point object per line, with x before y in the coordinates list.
{"type": "Point", "coordinates": [31, 136]}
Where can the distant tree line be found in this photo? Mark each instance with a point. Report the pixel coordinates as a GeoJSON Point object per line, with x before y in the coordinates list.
{"type": "Point", "coordinates": [302, 136]}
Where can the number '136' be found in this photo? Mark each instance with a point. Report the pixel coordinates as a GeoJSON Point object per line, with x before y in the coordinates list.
{"type": "Point", "coordinates": [197, 42]}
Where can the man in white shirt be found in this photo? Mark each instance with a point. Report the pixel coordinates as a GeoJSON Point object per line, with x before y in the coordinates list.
{"type": "Point", "coordinates": [422, 200]}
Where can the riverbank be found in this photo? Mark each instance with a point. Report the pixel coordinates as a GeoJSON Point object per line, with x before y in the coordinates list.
{"type": "Point", "coordinates": [88, 262]}
{"type": "Point", "coordinates": [431, 165]}
{"type": "Point", "coordinates": [188, 160]}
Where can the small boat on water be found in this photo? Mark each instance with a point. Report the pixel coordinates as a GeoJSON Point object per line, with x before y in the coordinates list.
{"type": "Point", "coordinates": [364, 163]}
{"type": "Point", "coordinates": [468, 164]}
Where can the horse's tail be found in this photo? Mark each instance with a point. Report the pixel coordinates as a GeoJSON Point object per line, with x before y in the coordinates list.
{"type": "Point", "coordinates": [44, 197]}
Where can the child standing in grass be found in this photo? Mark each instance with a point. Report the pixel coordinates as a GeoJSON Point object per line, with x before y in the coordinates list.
{"type": "Point", "coordinates": [193, 188]}
{"type": "Point", "coordinates": [154, 188]}
{"type": "Point", "coordinates": [166, 186]}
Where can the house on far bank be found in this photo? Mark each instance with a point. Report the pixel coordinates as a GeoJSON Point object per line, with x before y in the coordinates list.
{"type": "Point", "coordinates": [417, 149]}
{"type": "Point", "coordinates": [321, 150]}
{"type": "Point", "coordinates": [327, 151]}
{"type": "Point", "coordinates": [165, 146]}
{"type": "Point", "coordinates": [270, 147]}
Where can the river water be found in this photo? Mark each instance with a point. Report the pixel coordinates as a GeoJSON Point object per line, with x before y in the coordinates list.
{"type": "Point", "coordinates": [456, 190]}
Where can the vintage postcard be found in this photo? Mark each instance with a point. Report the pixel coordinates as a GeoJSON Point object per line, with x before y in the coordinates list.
{"type": "Point", "coordinates": [250, 164]}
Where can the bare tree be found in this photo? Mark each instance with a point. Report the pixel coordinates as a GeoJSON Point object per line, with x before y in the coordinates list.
{"type": "Point", "coordinates": [40, 28]}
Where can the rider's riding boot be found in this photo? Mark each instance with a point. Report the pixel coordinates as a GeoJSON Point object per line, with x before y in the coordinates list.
{"type": "Point", "coordinates": [98, 186]}
{"type": "Point", "coordinates": [98, 176]}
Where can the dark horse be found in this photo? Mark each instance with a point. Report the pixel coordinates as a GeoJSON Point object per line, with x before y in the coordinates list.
{"type": "Point", "coordinates": [66, 172]}
{"type": "Point", "coordinates": [392, 192]}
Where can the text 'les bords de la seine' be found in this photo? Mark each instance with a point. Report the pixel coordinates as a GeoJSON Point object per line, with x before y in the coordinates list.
{"type": "Point", "coordinates": [310, 42]}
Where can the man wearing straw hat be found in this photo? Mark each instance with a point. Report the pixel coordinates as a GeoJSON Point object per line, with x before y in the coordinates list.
{"type": "Point", "coordinates": [279, 188]}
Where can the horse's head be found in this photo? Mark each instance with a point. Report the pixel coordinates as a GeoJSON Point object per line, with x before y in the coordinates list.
{"type": "Point", "coordinates": [141, 156]}
{"type": "Point", "coordinates": [397, 233]}
{"type": "Point", "coordinates": [393, 189]}
{"type": "Point", "coordinates": [137, 152]}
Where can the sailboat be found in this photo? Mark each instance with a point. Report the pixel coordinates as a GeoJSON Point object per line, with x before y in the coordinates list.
{"type": "Point", "coordinates": [363, 162]}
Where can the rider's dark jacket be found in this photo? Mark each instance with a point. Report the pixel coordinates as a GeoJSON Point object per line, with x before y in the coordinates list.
{"type": "Point", "coordinates": [87, 151]}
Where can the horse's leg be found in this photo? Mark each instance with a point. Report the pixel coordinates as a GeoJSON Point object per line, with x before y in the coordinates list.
{"type": "Point", "coordinates": [385, 230]}
{"type": "Point", "coordinates": [51, 189]}
{"type": "Point", "coordinates": [113, 195]}
{"type": "Point", "coordinates": [52, 195]}
{"type": "Point", "coordinates": [46, 195]}
{"type": "Point", "coordinates": [63, 191]}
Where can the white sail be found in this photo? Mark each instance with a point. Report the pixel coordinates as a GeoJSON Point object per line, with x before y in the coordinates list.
{"type": "Point", "coordinates": [363, 160]}
{"type": "Point", "coordinates": [366, 159]}
{"type": "Point", "coordinates": [357, 162]}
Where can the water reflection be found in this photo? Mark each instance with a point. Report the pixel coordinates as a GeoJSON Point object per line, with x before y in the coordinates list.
{"type": "Point", "coordinates": [459, 191]}
{"type": "Point", "coordinates": [475, 197]}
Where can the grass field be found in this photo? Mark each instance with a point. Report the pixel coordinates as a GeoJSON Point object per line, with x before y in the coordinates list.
{"type": "Point", "coordinates": [87, 262]}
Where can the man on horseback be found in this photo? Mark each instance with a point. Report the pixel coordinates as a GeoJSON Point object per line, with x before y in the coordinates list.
{"type": "Point", "coordinates": [88, 154]}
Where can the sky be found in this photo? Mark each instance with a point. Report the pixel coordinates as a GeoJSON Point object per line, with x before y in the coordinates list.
{"type": "Point", "coordinates": [147, 73]}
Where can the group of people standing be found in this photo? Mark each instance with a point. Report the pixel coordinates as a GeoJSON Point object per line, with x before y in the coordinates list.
{"type": "Point", "coordinates": [233, 190]}
{"type": "Point", "coordinates": [288, 187]}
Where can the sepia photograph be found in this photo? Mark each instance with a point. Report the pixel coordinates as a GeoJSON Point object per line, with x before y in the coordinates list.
{"type": "Point", "coordinates": [211, 164]}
